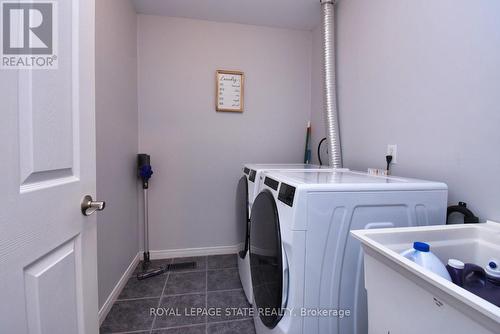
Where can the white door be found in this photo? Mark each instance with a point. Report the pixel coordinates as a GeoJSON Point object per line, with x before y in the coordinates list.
{"type": "Point", "coordinates": [48, 272]}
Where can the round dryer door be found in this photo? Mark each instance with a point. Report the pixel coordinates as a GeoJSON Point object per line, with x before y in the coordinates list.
{"type": "Point", "coordinates": [242, 215]}
{"type": "Point", "coordinates": [266, 259]}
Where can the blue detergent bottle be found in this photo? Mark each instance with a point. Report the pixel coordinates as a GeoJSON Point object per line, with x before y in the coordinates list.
{"type": "Point", "coordinates": [493, 272]}
{"type": "Point", "coordinates": [421, 254]}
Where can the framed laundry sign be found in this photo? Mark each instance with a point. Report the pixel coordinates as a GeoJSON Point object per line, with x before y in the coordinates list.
{"type": "Point", "coordinates": [229, 91]}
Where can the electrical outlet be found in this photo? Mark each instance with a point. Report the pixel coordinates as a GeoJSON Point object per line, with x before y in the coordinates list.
{"type": "Point", "coordinates": [392, 149]}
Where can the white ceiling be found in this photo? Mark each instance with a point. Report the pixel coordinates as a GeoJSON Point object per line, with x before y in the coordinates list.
{"type": "Point", "coordinates": [293, 14]}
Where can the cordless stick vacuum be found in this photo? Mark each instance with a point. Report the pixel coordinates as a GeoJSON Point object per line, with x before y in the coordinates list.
{"type": "Point", "coordinates": [145, 172]}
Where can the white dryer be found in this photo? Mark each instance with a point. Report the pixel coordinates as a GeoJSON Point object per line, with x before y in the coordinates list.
{"type": "Point", "coordinates": [248, 189]}
{"type": "Point", "coordinates": [306, 268]}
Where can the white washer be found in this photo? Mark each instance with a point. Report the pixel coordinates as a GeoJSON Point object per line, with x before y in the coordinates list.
{"type": "Point", "coordinates": [248, 189]}
{"type": "Point", "coordinates": [303, 258]}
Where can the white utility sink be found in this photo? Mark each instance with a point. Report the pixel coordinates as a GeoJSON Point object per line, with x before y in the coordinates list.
{"type": "Point", "coordinates": [404, 297]}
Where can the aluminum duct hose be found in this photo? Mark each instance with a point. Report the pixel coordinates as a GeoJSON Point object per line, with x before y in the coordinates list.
{"type": "Point", "coordinates": [330, 88]}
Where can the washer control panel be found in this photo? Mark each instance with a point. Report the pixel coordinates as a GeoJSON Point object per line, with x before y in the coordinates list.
{"type": "Point", "coordinates": [251, 177]}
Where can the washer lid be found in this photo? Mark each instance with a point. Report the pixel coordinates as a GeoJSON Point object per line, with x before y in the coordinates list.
{"type": "Point", "coordinates": [344, 180]}
{"type": "Point", "coordinates": [283, 166]}
{"type": "Point", "coordinates": [266, 260]}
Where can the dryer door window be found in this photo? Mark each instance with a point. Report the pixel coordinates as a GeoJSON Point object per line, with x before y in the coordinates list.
{"type": "Point", "coordinates": [242, 215]}
{"type": "Point", "coordinates": [266, 260]}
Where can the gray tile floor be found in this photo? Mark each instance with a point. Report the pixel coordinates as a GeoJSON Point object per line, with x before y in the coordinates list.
{"type": "Point", "coordinates": [213, 284]}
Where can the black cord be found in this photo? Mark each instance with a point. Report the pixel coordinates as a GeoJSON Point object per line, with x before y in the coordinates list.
{"type": "Point", "coordinates": [388, 158]}
{"type": "Point", "coordinates": [319, 151]}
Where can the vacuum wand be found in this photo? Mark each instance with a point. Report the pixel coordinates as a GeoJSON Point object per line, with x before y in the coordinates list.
{"type": "Point", "coordinates": [146, 229]}
{"type": "Point", "coordinates": [145, 172]}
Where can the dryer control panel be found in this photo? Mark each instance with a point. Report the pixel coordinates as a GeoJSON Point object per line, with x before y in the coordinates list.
{"type": "Point", "coordinates": [271, 183]}
{"type": "Point", "coordinates": [286, 194]}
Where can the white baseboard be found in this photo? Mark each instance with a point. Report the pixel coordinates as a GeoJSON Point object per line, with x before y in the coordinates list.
{"type": "Point", "coordinates": [187, 252]}
{"type": "Point", "coordinates": [106, 307]}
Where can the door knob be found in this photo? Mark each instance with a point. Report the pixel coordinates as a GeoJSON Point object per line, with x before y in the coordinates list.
{"type": "Point", "coordinates": [89, 206]}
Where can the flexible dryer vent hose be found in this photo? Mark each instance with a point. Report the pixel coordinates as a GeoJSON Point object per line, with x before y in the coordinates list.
{"type": "Point", "coordinates": [330, 88]}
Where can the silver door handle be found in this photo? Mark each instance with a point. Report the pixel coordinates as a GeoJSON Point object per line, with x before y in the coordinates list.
{"type": "Point", "coordinates": [89, 206]}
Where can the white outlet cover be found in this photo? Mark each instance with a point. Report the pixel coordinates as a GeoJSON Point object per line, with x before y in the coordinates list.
{"type": "Point", "coordinates": [392, 149]}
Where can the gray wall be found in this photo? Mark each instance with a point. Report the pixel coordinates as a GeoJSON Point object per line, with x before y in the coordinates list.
{"type": "Point", "coordinates": [424, 75]}
{"type": "Point", "coordinates": [117, 140]}
{"type": "Point", "coordinates": [197, 153]}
